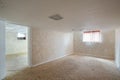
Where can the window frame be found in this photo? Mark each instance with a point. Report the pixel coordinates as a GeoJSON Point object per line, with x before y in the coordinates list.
{"type": "Point", "coordinates": [93, 36]}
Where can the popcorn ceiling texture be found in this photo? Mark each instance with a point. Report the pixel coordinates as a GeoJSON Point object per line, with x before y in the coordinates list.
{"type": "Point", "coordinates": [106, 49]}
{"type": "Point", "coordinates": [48, 45]}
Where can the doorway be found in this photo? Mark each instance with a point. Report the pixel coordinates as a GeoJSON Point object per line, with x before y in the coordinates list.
{"type": "Point", "coordinates": [17, 40]}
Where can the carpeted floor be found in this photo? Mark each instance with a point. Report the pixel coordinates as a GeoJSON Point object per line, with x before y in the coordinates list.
{"type": "Point", "coordinates": [71, 68]}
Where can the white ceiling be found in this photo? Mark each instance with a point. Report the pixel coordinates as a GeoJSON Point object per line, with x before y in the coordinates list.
{"type": "Point", "coordinates": [77, 14]}
{"type": "Point", "coordinates": [15, 28]}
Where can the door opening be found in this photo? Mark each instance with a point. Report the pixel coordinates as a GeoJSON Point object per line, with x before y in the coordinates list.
{"type": "Point", "coordinates": [17, 57]}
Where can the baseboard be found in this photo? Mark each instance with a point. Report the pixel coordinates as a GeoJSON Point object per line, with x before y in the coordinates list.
{"type": "Point", "coordinates": [49, 61]}
{"type": "Point", "coordinates": [17, 54]}
{"type": "Point", "coordinates": [90, 55]}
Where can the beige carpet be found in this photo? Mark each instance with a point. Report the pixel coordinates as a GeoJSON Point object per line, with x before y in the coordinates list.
{"type": "Point", "coordinates": [71, 68]}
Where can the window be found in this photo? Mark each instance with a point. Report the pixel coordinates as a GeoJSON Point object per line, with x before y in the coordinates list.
{"type": "Point", "coordinates": [21, 36]}
{"type": "Point", "coordinates": [92, 36]}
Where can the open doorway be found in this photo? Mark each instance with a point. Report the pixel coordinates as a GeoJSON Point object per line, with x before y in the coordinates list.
{"type": "Point", "coordinates": [16, 48]}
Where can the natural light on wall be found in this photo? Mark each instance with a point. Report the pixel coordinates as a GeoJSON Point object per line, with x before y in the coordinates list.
{"type": "Point", "coordinates": [21, 36]}
{"type": "Point", "coordinates": [92, 36]}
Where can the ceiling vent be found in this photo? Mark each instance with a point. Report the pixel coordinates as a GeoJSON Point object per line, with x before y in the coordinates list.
{"type": "Point", "coordinates": [56, 17]}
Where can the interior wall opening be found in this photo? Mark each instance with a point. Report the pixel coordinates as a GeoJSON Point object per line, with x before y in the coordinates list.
{"type": "Point", "coordinates": [16, 47]}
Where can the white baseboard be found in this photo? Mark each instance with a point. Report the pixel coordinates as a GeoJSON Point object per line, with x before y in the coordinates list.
{"type": "Point", "coordinates": [49, 60]}
{"type": "Point", "coordinates": [90, 55]}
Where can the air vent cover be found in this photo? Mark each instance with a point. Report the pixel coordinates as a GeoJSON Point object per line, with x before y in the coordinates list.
{"type": "Point", "coordinates": [56, 17]}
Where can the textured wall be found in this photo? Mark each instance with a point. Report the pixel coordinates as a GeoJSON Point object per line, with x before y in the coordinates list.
{"type": "Point", "coordinates": [48, 45]}
{"type": "Point", "coordinates": [2, 50]}
{"type": "Point", "coordinates": [13, 45]}
{"type": "Point", "coordinates": [106, 49]}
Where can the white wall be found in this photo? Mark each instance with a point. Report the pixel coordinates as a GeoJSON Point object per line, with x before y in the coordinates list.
{"type": "Point", "coordinates": [105, 49]}
{"type": "Point", "coordinates": [48, 45]}
{"type": "Point", "coordinates": [117, 60]}
{"type": "Point", "coordinates": [2, 51]}
{"type": "Point", "coordinates": [13, 45]}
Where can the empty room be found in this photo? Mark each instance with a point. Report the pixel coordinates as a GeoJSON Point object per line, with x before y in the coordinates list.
{"type": "Point", "coordinates": [59, 39]}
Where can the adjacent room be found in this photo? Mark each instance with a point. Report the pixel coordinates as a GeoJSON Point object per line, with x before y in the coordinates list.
{"type": "Point", "coordinates": [60, 39]}
{"type": "Point", "coordinates": [16, 48]}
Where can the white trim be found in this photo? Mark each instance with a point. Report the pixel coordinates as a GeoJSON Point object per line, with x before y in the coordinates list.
{"type": "Point", "coordinates": [2, 52]}
{"type": "Point", "coordinates": [119, 68]}
{"type": "Point", "coordinates": [29, 32]}
{"type": "Point", "coordinates": [49, 61]}
{"type": "Point", "coordinates": [90, 55]}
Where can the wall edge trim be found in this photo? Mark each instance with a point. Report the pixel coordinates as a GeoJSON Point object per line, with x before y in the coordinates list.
{"type": "Point", "coordinates": [50, 60]}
